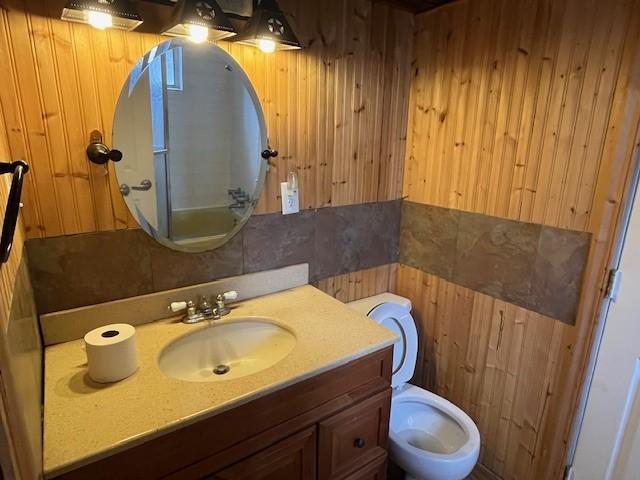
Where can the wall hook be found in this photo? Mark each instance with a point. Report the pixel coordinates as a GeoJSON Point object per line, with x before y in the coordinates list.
{"type": "Point", "coordinates": [98, 152]}
{"type": "Point", "coordinates": [269, 153]}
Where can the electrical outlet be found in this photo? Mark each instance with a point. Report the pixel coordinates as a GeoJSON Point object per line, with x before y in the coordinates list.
{"type": "Point", "coordinates": [290, 199]}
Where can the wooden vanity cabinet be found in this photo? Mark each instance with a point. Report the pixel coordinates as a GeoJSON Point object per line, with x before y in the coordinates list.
{"type": "Point", "coordinates": [354, 438]}
{"type": "Point", "coordinates": [294, 457]}
{"type": "Point", "coordinates": [328, 427]}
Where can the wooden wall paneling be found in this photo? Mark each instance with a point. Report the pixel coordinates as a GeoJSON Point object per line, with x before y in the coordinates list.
{"type": "Point", "coordinates": [8, 270]}
{"type": "Point", "coordinates": [524, 110]}
{"type": "Point", "coordinates": [14, 446]}
{"type": "Point", "coordinates": [330, 120]}
{"type": "Point", "coordinates": [416, 6]}
{"type": "Point", "coordinates": [538, 71]}
{"type": "Point", "coordinates": [613, 188]}
{"type": "Point", "coordinates": [605, 88]}
{"type": "Point", "coordinates": [75, 140]}
{"type": "Point", "coordinates": [49, 121]}
{"type": "Point", "coordinates": [525, 192]}
{"type": "Point", "coordinates": [364, 283]}
{"type": "Point", "coordinates": [325, 92]}
{"type": "Point", "coordinates": [579, 115]}
{"type": "Point", "coordinates": [509, 114]}
{"type": "Point", "coordinates": [326, 107]}
{"type": "Point", "coordinates": [468, 103]}
{"type": "Point", "coordinates": [455, 99]}
{"type": "Point", "coordinates": [395, 106]}
{"type": "Point", "coordinates": [90, 118]}
{"type": "Point", "coordinates": [306, 96]}
{"type": "Point", "coordinates": [365, 167]}
{"type": "Point", "coordinates": [496, 361]}
{"type": "Point", "coordinates": [342, 93]}
{"type": "Point", "coordinates": [509, 104]}
{"type": "Point", "coordinates": [20, 146]}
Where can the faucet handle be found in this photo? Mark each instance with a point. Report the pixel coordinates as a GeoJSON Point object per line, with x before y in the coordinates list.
{"type": "Point", "coordinates": [176, 307]}
{"type": "Point", "coordinates": [229, 296]}
{"type": "Point", "coordinates": [221, 300]}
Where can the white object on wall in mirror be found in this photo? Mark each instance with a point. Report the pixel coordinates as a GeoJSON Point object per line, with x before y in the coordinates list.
{"type": "Point", "coordinates": [290, 195]}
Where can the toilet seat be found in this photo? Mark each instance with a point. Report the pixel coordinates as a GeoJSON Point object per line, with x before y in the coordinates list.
{"type": "Point", "coordinates": [405, 352]}
{"type": "Point", "coordinates": [430, 437]}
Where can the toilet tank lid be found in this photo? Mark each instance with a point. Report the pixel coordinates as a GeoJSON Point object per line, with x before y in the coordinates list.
{"type": "Point", "coordinates": [365, 305]}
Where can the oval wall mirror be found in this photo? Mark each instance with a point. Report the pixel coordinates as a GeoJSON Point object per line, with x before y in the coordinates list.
{"type": "Point", "coordinates": [191, 130]}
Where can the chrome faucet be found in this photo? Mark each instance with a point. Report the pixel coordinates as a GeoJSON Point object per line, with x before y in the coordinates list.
{"type": "Point", "coordinates": [204, 311]}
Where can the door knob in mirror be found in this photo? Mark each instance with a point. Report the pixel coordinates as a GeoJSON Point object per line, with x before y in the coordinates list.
{"type": "Point", "coordinates": [144, 186]}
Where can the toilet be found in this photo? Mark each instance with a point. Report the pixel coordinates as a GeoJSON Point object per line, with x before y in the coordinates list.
{"type": "Point", "coordinates": [430, 438]}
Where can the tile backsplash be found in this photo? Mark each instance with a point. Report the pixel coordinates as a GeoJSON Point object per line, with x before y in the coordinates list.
{"type": "Point", "coordinates": [86, 269]}
{"type": "Point", "coordinates": [534, 266]}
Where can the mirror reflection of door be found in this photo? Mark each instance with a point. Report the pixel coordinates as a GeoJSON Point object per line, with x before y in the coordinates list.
{"type": "Point", "coordinates": [158, 87]}
{"type": "Point", "coordinates": [190, 123]}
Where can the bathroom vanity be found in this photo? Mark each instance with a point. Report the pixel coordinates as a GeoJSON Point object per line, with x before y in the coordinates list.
{"type": "Point", "coordinates": [320, 412]}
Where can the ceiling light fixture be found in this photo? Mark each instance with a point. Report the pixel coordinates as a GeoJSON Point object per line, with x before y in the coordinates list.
{"type": "Point", "coordinates": [100, 20]}
{"type": "Point", "coordinates": [119, 14]}
{"type": "Point", "coordinates": [267, 46]}
{"type": "Point", "coordinates": [199, 20]}
{"type": "Point", "coordinates": [268, 29]}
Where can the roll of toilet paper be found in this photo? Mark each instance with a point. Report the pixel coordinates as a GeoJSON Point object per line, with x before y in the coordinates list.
{"type": "Point", "coordinates": [112, 354]}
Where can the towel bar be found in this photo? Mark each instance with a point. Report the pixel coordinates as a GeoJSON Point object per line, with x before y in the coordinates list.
{"type": "Point", "coordinates": [18, 169]}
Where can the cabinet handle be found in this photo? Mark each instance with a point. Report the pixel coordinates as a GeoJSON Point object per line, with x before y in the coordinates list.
{"type": "Point", "coordinates": [359, 443]}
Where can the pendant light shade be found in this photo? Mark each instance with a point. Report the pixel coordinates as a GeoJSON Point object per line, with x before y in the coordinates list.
{"type": "Point", "coordinates": [269, 29]}
{"type": "Point", "coordinates": [199, 20]}
{"type": "Point", "coordinates": [119, 14]}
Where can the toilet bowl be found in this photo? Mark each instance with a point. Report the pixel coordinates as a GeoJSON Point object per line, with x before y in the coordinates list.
{"type": "Point", "coordinates": [430, 438]}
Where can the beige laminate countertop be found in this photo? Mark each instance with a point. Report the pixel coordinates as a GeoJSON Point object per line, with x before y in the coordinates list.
{"type": "Point", "coordinates": [85, 421]}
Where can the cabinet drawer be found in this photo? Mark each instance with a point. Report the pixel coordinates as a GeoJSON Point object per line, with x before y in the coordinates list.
{"type": "Point", "coordinates": [292, 459]}
{"type": "Point", "coordinates": [354, 438]}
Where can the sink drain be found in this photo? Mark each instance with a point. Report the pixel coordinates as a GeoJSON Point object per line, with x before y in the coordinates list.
{"type": "Point", "coordinates": [221, 369]}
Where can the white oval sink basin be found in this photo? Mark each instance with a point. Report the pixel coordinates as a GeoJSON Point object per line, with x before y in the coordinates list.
{"type": "Point", "coordinates": [227, 350]}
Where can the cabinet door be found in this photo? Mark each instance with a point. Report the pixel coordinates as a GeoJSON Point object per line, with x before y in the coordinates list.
{"type": "Point", "coordinates": [293, 458]}
{"type": "Point", "coordinates": [355, 438]}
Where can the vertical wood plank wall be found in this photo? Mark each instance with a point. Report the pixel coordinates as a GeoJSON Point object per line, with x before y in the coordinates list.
{"type": "Point", "coordinates": [357, 285]}
{"type": "Point", "coordinates": [525, 110]}
{"type": "Point", "coordinates": [9, 270]}
{"type": "Point", "coordinates": [336, 111]}
{"type": "Point", "coordinates": [20, 463]}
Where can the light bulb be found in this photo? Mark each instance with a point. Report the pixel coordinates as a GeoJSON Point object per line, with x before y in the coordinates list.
{"type": "Point", "coordinates": [267, 46]}
{"type": "Point", "coordinates": [198, 33]}
{"type": "Point", "coordinates": [99, 20]}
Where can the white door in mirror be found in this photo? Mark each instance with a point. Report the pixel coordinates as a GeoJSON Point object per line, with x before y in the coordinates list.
{"type": "Point", "coordinates": [290, 195]}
